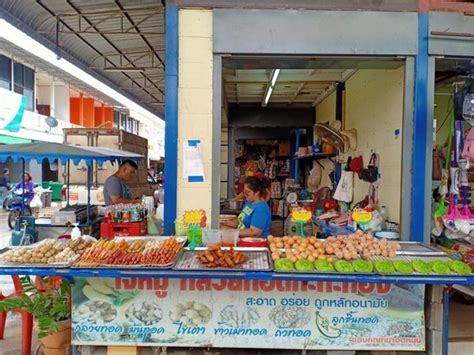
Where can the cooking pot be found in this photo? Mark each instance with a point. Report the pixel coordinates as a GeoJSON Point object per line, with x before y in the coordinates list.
{"type": "Point", "coordinates": [235, 204]}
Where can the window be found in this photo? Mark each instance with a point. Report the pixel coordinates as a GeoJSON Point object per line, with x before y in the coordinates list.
{"type": "Point", "coordinates": [5, 72]}
{"type": "Point", "coordinates": [116, 119]}
{"type": "Point", "coordinates": [24, 83]}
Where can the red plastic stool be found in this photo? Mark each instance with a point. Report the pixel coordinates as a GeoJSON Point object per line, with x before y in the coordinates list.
{"type": "Point", "coordinates": [26, 319]}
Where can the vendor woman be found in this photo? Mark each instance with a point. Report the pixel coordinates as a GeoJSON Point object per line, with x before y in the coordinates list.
{"type": "Point", "coordinates": [255, 218]}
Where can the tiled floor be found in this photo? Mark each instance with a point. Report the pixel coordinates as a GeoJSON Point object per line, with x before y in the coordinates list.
{"type": "Point", "coordinates": [461, 326]}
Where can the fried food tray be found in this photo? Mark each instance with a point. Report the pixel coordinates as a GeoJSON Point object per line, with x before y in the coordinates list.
{"type": "Point", "coordinates": [4, 264]}
{"type": "Point", "coordinates": [134, 266]}
{"type": "Point", "coordinates": [259, 260]}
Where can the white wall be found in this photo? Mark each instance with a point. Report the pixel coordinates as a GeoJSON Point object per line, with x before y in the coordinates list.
{"type": "Point", "coordinates": [43, 94]}
{"type": "Point", "coordinates": [374, 102]}
{"type": "Point", "coordinates": [60, 110]}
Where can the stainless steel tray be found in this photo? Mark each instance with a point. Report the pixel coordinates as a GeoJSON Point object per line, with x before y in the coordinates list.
{"type": "Point", "coordinates": [135, 266]}
{"type": "Point", "coordinates": [259, 260]}
{"type": "Point", "coordinates": [418, 249]}
{"type": "Point", "coordinates": [4, 264]}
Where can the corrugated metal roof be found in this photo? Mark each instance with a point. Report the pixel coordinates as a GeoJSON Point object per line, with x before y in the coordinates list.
{"type": "Point", "coordinates": [106, 35]}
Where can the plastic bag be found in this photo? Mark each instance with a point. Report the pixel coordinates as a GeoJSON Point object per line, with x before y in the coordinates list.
{"type": "Point", "coordinates": [345, 188]}
{"type": "Point", "coordinates": [314, 178]}
{"type": "Point", "coordinates": [36, 202]}
{"type": "Point", "coordinates": [152, 229]}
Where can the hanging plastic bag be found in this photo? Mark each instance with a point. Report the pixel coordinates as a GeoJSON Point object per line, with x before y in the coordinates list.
{"type": "Point", "coordinates": [345, 188]}
{"type": "Point", "coordinates": [36, 202]}
{"type": "Point", "coordinates": [314, 178]}
{"type": "Point", "coordinates": [152, 229]}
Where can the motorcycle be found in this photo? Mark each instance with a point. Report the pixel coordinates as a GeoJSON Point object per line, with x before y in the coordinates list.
{"type": "Point", "coordinates": [15, 207]}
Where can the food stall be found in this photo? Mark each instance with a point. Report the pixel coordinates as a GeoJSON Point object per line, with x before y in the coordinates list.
{"type": "Point", "coordinates": [353, 292]}
{"type": "Point", "coordinates": [85, 215]}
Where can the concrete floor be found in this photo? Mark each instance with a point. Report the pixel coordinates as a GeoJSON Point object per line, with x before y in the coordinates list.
{"type": "Point", "coordinates": [461, 327]}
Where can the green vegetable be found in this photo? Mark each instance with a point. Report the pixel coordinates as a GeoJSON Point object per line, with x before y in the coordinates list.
{"type": "Point", "coordinates": [343, 266]}
{"type": "Point", "coordinates": [440, 267]}
{"type": "Point", "coordinates": [384, 267]}
{"type": "Point", "coordinates": [323, 265]}
{"type": "Point", "coordinates": [460, 267]}
{"type": "Point", "coordinates": [304, 265]}
{"type": "Point", "coordinates": [362, 266]}
{"type": "Point", "coordinates": [284, 265]}
{"type": "Point", "coordinates": [403, 267]}
{"type": "Point", "coordinates": [421, 266]}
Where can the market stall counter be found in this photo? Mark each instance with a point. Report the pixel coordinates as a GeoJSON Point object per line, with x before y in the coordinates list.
{"type": "Point", "coordinates": [154, 291]}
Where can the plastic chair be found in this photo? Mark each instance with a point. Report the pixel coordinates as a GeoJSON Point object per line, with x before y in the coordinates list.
{"type": "Point", "coordinates": [26, 319]}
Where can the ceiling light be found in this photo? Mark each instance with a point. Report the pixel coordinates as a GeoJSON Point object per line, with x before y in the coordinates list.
{"type": "Point", "coordinates": [269, 93]}
{"type": "Point", "coordinates": [275, 74]}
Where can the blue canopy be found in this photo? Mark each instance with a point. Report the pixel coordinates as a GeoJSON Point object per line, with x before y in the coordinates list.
{"type": "Point", "coordinates": [63, 152]}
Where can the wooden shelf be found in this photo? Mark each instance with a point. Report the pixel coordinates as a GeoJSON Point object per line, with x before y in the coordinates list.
{"type": "Point", "coordinates": [315, 156]}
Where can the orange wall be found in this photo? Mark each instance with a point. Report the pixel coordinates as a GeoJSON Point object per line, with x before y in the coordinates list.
{"type": "Point", "coordinates": [89, 112]}
{"type": "Point", "coordinates": [75, 110]}
{"type": "Point", "coordinates": [99, 116]}
{"type": "Point", "coordinates": [83, 113]}
{"type": "Point", "coordinates": [109, 117]}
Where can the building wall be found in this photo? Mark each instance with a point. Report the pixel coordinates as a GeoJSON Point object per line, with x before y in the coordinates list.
{"type": "Point", "coordinates": [326, 110]}
{"type": "Point", "coordinates": [61, 102]}
{"type": "Point", "coordinates": [195, 104]}
{"type": "Point", "coordinates": [374, 106]}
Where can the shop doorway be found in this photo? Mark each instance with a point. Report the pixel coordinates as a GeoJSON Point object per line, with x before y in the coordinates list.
{"type": "Point", "coordinates": [275, 119]}
{"type": "Point", "coordinates": [452, 203]}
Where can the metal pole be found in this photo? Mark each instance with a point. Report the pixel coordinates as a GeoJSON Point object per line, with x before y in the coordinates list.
{"type": "Point", "coordinates": [296, 173]}
{"type": "Point", "coordinates": [22, 186]}
{"type": "Point", "coordinates": [68, 169]}
{"type": "Point", "coordinates": [89, 175]}
{"type": "Point", "coordinates": [446, 321]}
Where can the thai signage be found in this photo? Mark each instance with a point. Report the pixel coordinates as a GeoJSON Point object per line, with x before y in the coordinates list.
{"type": "Point", "coordinates": [248, 314]}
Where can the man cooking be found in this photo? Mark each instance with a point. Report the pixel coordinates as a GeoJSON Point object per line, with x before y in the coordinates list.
{"type": "Point", "coordinates": [115, 187]}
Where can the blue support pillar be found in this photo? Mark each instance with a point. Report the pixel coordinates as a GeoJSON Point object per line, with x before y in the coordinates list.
{"type": "Point", "coordinates": [421, 137]}
{"type": "Point", "coordinates": [171, 117]}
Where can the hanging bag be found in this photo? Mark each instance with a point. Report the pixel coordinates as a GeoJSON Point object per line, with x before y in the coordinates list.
{"type": "Point", "coordinates": [371, 173]}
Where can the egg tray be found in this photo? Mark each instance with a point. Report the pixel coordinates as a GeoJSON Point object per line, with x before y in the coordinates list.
{"type": "Point", "coordinates": [259, 260]}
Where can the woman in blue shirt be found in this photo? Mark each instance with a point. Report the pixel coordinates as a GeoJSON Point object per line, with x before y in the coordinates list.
{"type": "Point", "coordinates": [255, 219]}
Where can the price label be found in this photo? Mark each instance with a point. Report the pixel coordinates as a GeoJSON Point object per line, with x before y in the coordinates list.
{"type": "Point", "coordinates": [301, 215]}
{"type": "Point", "coordinates": [361, 216]}
{"type": "Point", "coordinates": [195, 217]}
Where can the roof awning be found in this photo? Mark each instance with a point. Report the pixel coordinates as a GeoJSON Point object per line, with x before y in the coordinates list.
{"type": "Point", "coordinates": [4, 139]}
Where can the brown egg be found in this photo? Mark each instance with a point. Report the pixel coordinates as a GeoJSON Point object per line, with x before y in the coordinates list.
{"type": "Point", "coordinates": [347, 256]}
{"type": "Point", "coordinates": [320, 250]}
{"type": "Point", "coordinates": [315, 254]}
{"type": "Point", "coordinates": [311, 258]}
{"type": "Point", "coordinates": [293, 259]}
{"type": "Point", "coordinates": [329, 250]}
{"type": "Point", "coordinates": [322, 257]}
{"type": "Point", "coordinates": [275, 256]}
{"type": "Point", "coordinates": [330, 259]}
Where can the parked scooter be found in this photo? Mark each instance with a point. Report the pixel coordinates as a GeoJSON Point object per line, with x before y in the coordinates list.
{"type": "Point", "coordinates": [15, 206]}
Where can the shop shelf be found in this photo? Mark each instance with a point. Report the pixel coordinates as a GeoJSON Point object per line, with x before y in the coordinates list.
{"type": "Point", "coordinates": [315, 156]}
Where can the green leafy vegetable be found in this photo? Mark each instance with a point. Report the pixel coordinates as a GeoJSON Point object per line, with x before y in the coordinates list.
{"type": "Point", "coordinates": [460, 267]}
{"type": "Point", "coordinates": [304, 265]}
{"type": "Point", "coordinates": [403, 267]}
{"type": "Point", "coordinates": [440, 267]}
{"type": "Point", "coordinates": [343, 266]}
{"type": "Point", "coordinates": [284, 265]}
{"type": "Point", "coordinates": [323, 265]}
{"type": "Point", "coordinates": [384, 267]}
{"type": "Point", "coordinates": [362, 266]}
{"type": "Point", "coordinates": [421, 266]}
